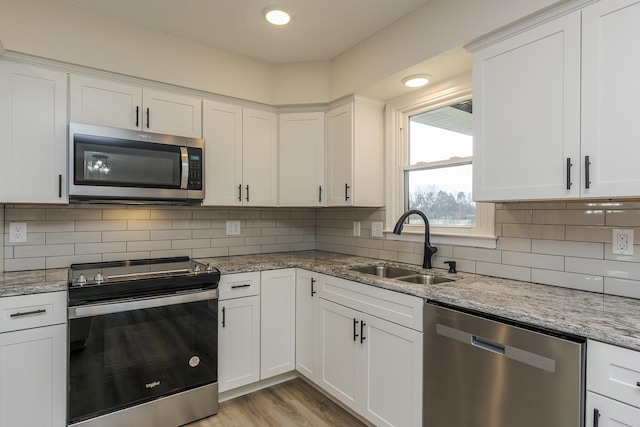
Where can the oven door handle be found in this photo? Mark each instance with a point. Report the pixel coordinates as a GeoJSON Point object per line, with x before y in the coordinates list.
{"type": "Point", "coordinates": [138, 304]}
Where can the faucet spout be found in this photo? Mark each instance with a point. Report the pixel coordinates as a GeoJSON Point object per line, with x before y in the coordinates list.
{"type": "Point", "coordinates": [428, 249]}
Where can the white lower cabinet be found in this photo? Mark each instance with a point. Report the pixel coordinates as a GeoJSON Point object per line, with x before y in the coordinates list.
{"type": "Point", "coordinates": [307, 324]}
{"type": "Point", "coordinates": [370, 364]}
{"type": "Point", "coordinates": [613, 386]}
{"type": "Point", "coordinates": [33, 362]}
{"type": "Point", "coordinates": [238, 330]}
{"type": "Point", "coordinates": [605, 412]}
{"type": "Point", "coordinates": [277, 326]}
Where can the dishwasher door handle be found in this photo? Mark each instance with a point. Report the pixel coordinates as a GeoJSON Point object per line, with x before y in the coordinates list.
{"type": "Point", "coordinates": [485, 344]}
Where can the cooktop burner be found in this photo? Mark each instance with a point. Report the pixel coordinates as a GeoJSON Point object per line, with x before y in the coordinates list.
{"type": "Point", "coordinates": [100, 281]}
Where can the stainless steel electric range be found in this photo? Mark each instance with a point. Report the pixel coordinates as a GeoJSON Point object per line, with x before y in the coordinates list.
{"type": "Point", "coordinates": [142, 343]}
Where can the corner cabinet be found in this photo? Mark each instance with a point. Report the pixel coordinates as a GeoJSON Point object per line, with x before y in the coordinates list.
{"type": "Point", "coordinates": [301, 166]}
{"type": "Point", "coordinates": [565, 130]}
{"type": "Point", "coordinates": [33, 134]}
{"type": "Point", "coordinates": [241, 155]}
{"type": "Point", "coordinates": [111, 103]}
{"type": "Point", "coordinates": [33, 360]}
{"type": "Point", "coordinates": [354, 161]}
{"type": "Point", "coordinates": [238, 330]}
{"type": "Point", "coordinates": [370, 351]}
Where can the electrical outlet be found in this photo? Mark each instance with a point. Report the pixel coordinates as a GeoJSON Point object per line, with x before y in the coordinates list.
{"type": "Point", "coordinates": [233, 228]}
{"type": "Point", "coordinates": [376, 229]}
{"type": "Point", "coordinates": [622, 242]}
{"type": "Point", "coordinates": [356, 228]}
{"type": "Point", "coordinates": [17, 232]}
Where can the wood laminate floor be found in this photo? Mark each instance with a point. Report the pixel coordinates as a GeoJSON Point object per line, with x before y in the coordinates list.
{"type": "Point", "coordinates": [293, 403]}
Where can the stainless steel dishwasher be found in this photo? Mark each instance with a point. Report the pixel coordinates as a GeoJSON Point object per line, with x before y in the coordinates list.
{"type": "Point", "coordinates": [481, 372]}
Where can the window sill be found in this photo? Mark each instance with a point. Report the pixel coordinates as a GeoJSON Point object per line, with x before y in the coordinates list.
{"type": "Point", "coordinates": [476, 241]}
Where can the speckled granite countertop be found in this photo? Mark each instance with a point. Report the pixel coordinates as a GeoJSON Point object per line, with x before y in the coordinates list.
{"type": "Point", "coordinates": [33, 282]}
{"type": "Point", "coordinates": [611, 319]}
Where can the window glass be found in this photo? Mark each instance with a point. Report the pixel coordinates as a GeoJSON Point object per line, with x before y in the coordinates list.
{"type": "Point", "coordinates": [438, 178]}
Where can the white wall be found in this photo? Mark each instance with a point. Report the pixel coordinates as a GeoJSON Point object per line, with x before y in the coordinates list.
{"type": "Point", "coordinates": [54, 30]}
{"type": "Point", "coordinates": [2, 234]}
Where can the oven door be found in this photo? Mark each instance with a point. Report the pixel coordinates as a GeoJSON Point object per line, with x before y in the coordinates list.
{"type": "Point", "coordinates": [126, 353]}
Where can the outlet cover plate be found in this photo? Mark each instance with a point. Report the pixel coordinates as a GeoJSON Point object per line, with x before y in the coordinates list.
{"type": "Point", "coordinates": [376, 229]}
{"type": "Point", "coordinates": [233, 228]}
{"type": "Point", "coordinates": [622, 241]}
{"type": "Point", "coordinates": [17, 232]}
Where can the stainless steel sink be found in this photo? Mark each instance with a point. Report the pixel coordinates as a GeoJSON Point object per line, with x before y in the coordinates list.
{"type": "Point", "coordinates": [403, 274]}
{"type": "Point", "coordinates": [425, 279]}
{"type": "Point", "coordinates": [384, 271]}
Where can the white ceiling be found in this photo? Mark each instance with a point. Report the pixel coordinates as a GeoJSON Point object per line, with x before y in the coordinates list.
{"type": "Point", "coordinates": [319, 29]}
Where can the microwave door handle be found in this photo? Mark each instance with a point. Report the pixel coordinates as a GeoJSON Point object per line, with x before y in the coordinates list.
{"type": "Point", "coordinates": [184, 156]}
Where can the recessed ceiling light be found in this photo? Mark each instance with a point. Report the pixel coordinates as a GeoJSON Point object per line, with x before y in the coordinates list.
{"type": "Point", "coordinates": [416, 80]}
{"type": "Point", "coordinates": [276, 15]}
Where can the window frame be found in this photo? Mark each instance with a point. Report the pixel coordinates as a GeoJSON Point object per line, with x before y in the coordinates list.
{"type": "Point", "coordinates": [397, 116]}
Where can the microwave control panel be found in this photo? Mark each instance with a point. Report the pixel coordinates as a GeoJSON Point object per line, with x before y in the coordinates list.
{"type": "Point", "coordinates": [195, 169]}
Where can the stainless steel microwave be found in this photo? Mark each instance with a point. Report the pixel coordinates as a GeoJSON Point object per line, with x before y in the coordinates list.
{"type": "Point", "coordinates": [120, 164]}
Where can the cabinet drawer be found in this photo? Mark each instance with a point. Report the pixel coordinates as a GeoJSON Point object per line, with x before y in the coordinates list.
{"type": "Point", "coordinates": [614, 372]}
{"type": "Point", "coordinates": [32, 311]}
{"type": "Point", "coordinates": [239, 285]}
{"type": "Point", "coordinates": [393, 306]}
{"type": "Point", "coordinates": [610, 413]}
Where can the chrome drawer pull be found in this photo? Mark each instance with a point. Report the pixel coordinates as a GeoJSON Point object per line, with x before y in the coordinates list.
{"type": "Point", "coordinates": [28, 313]}
{"type": "Point", "coordinates": [246, 285]}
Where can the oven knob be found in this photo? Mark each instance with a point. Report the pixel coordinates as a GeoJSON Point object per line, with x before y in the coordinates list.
{"type": "Point", "coordinates": [209, 267]}
{"type": "Point", "coordinates": [196, 269]}
{"type": "Point", "coordinates": [99, 278]}
{"type": "Point", "coordinates": [82, 280]}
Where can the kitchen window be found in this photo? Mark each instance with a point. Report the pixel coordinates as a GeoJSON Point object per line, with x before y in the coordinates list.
{"type": "Point", "coordinates": [431, 151]}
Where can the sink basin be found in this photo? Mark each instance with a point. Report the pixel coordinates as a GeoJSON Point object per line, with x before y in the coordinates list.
{"type": "Point", "coordinates": [425, 279]}
{"type": "Point", "coordinates": [384, 271]}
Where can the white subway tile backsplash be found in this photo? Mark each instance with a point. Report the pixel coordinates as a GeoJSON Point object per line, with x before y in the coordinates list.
{"type": "Point", "coordinates": [155, 224]}
{"type": "Point", "coordinates": [560, 247]}
{"type": "Point", "coordinates": [477, 254]}
{"type": "Point", "coordinates": [128, 214]}
{"type": "Point", "coordinates": [570, 217]}
{"type": "Point", "coordinates": [24, 264]}
{"type": "Point", "coordinates": [501, 270]}
{"type": "Point", "coordinates": [100, 248]}
{"type": "Point", "coordinates": [622, 287]}
{"type": "Point", "coordinates": [617, 269]}
{"type": "Point", "coordinates": [77, 237]}
{"type": "Point", "coordinates": [535, 231]}
{"type": "Point", "coordinates": [524, 259]}
{"type": "Point", "coordinates": [623, 217]}
{"type": "Point", "coordinates": [101, 225]}
{"type": "Point", "coordinates": [150, 245]}
{"type": "Point", "coordinates": [124, 236]}
{"type": "Point", "coordinates": [583, 282]}
{"type": "Point", "coordinates": [514, 244]}
{"type": "Point", "coordinates": [42, 250]}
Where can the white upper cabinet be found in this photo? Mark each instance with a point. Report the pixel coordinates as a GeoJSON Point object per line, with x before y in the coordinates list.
{"type": "Point", "coordinates": [33, 134]}
{"type": "Point", "coordinates": [222, 132]}
{"type": "Point", "coordinates": [554, 114]}
{"type": "Point", "coordinates": [241, 155]}
{"type": "Point", "coordinates": [110, 103]}
{"type": "Point", "coordinates": [354, 162]}
{"type": "Point", "coordinates": [610, 87]}
{"type": "Point", "coordinates": [301, 159]}
{"type": "Point", "coordinates": [259, 157]}
{"type": "Point", "coordinates": [526, 98]}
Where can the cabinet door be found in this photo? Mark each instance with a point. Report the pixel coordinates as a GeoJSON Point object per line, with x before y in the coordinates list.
{"type": "Point", "coordinates": [604, 412]}
{"type": "Point", "coordinates": [307, 324]}
{"type": "Point", "coordinates": [33, 377]}
{"type": "Point", "coordinates": [172, 114]}
{"type": "Point", "coordinates": [222, 133]}
{"type": "Point", "coordinates": [259, 158]}
{"type": "Point", "coordinates": [277, 327]}
{"type": "Point", "coordinates": [238, 342]}
{"type": "Point", "coordinates": [391, 373]}
{"type": "Point", "coordinates": [340, 155]}
{"type": "Point", "coordinates": [33, 134]}
{"type": "Point", "coordinates": [340, 372]}
{"type": "Point", "coordinates": [105, 103]}
{"type": "Point", "coordinates": [526, 96]}
{"type": "Point", "coordinates": [610, 87]}
{"type": "Point", "coordinates": [301, 159]}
